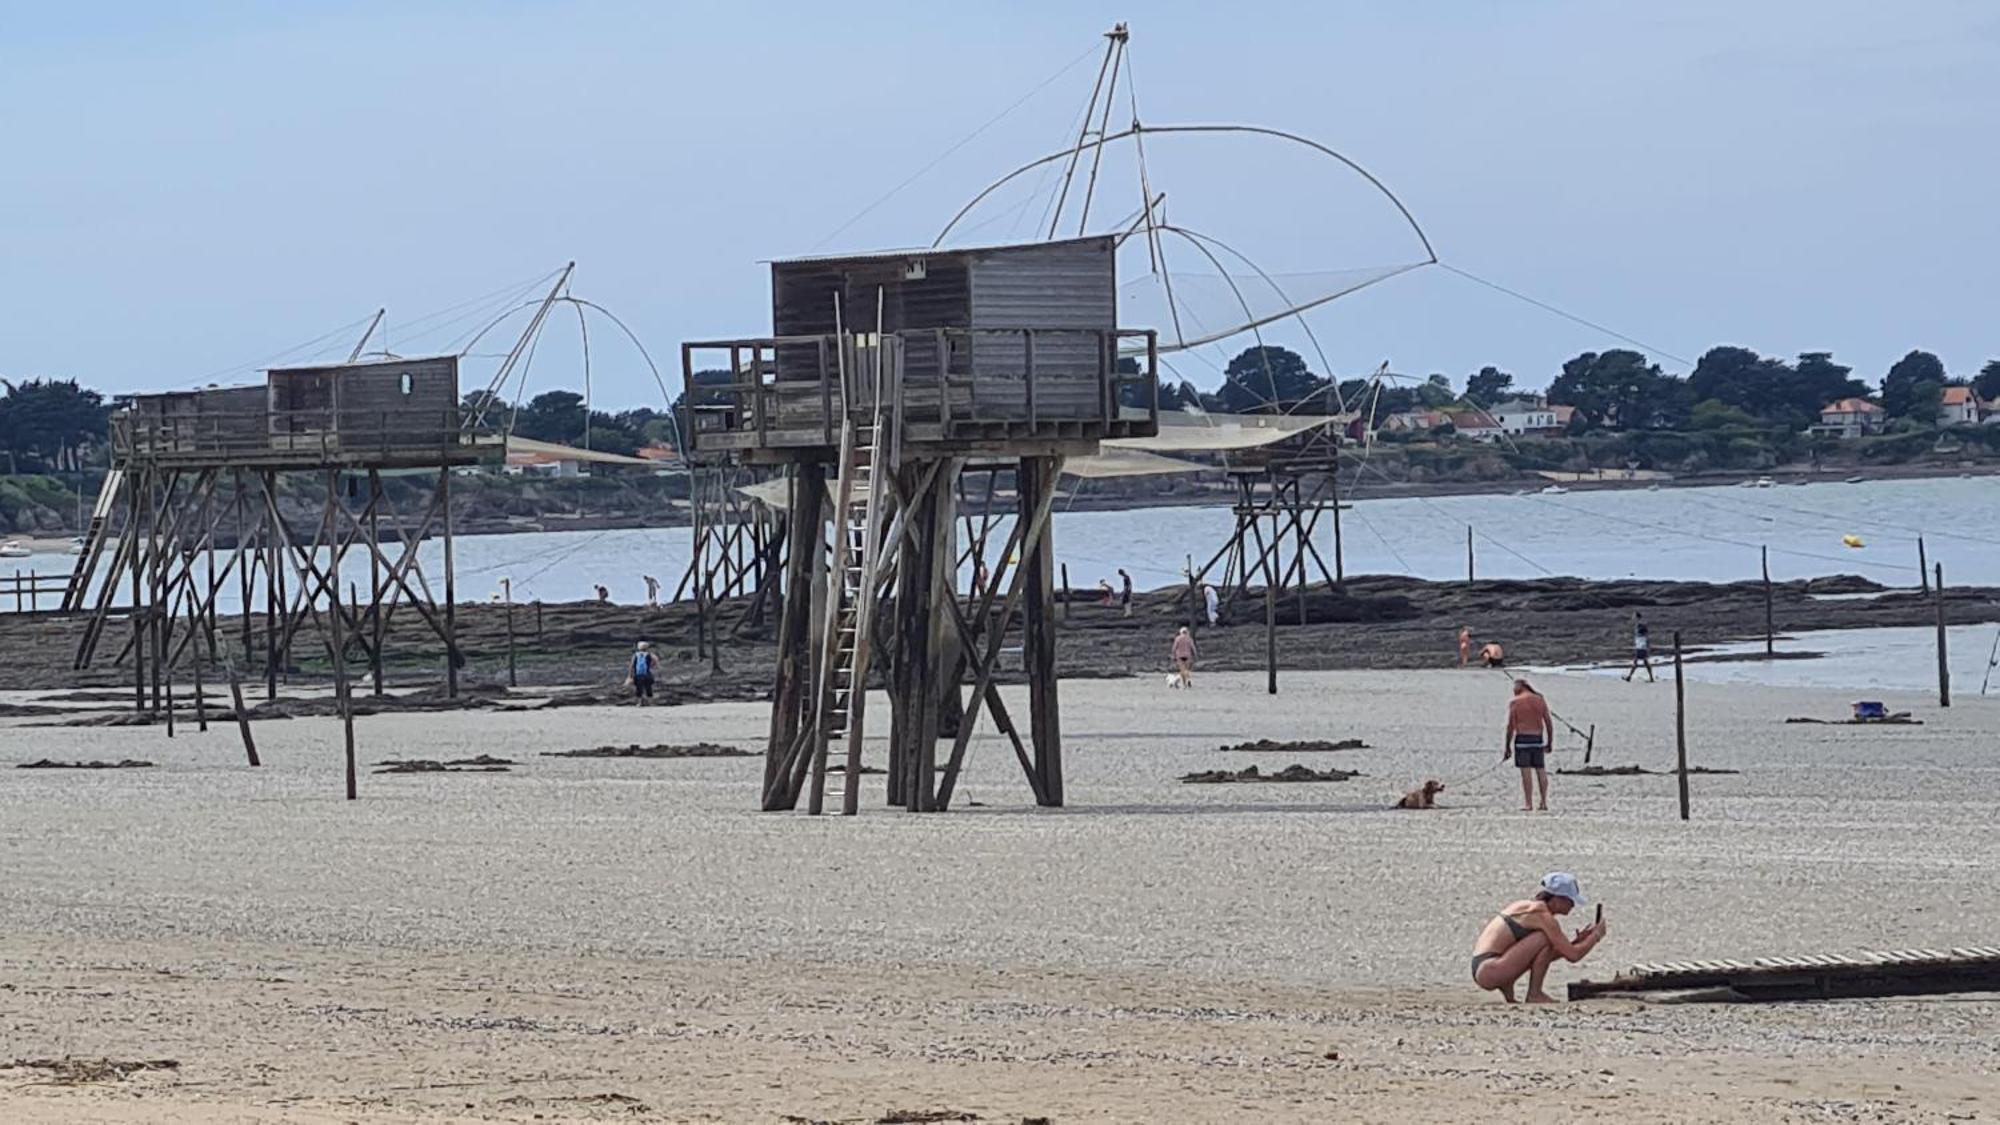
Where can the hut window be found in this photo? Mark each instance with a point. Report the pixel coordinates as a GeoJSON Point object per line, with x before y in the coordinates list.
{"type": "Point", "coordinates": [409, 383]}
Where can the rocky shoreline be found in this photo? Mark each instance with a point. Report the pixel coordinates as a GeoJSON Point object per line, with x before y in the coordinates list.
{"type": "Point", "coordinates": [1370, 622]}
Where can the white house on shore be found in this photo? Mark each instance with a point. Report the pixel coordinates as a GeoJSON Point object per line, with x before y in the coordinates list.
{"type": "Point", "coordinates": [1851, 418]}
{"type": "Point", "coordinates": [1525, 416]}
{"type": "Point", "coordinates": [1958, 407]}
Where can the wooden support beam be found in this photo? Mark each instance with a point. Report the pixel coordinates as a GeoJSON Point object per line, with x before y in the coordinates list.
{"type": "Point", "coordinates": [1038, 646]}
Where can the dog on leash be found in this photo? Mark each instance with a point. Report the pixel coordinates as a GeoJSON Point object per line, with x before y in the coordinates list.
{"type": "Point", "coordinates": [1423, 798]}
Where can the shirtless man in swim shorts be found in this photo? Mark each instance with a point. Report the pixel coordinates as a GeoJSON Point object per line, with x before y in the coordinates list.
{"type": "Point", "coordinates": [1525, 937]}
{"type": "Point", "coordinates": [1530, 732]}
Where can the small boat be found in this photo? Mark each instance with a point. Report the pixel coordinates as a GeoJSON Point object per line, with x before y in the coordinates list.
{"type": "Point", "coordinates": [1555, 490]}
{"type": "Point", "coordinates": [12, 549]}
{"type": "Point", "coordinates": [1766, 482]}
{"type": "Point", "coordinates": [1856, 479]}
{"type": "Point", "coordinates": [1652, 488]}
{"type": "Point", "coordinates": [1746, 484]}
{"type": "Point", "coordinates": [77, 545]}
{"type": "Point", "coordinates": [1853, 541]}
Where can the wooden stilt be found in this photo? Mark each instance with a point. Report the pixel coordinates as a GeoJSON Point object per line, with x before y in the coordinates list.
{"type": "Point", "coordinates": [375, 613]}
{"type": "Point", "coordinates": [452, 657]}
{"type": "Point", "coordinates": [274, 593]}
{"type": "Point", "coordinates": [1339, 559]}
{"type": "Point", "coordinates": [337, 647]}
{"type": "Point", "coordinates": [141, 490]}
{"type": "Point", "coordinates": [1271, 616]}
{"type": "Point", "coordinates": [1038, 645]}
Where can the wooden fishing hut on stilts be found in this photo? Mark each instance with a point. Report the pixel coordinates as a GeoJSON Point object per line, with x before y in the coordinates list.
{"type": "Point", "coordinates": [196, 501]}
{"type": "Point", "coordinates": [884, 376]}
{"type": "Point", "coordinates": [1284, 488]}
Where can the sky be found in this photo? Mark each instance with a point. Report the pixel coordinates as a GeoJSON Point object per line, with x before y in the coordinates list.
{"type": "Point", "coordinates": [187, 191]}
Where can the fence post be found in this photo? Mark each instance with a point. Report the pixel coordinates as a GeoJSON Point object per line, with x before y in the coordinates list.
{"type": "Point", "coordinates": [1680, 726]}
{"type": "Point", "coordinates": [1468, 555]}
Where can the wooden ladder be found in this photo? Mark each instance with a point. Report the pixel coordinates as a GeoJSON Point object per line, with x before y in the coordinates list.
{"type": "Point", "coordinates": [853, 592]}
{"type": "Point", "coordinates": [93, 540]}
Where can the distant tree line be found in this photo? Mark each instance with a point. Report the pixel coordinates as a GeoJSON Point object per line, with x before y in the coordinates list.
{"type": "Point", "coordinates": [57, 425]}
{"type": "Point", "coordinates": [1615, 389]}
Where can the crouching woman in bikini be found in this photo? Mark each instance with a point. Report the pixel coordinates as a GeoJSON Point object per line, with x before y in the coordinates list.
{"type": "Point", "coordinates": [1526, 936]}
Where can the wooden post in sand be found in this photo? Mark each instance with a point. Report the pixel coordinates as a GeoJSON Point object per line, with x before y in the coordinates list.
{"type": "Point", "coordinates": [1589, 743]}
{"type": "Point", "coordinates": [1770, 638]}
{"type": "Point", "coordinates": [1065, 570]}
{"type": "Point", "coordinates": [1468, 555]}
{"type": "Point", "coordinates": [1680, 726]}
{"type": "Point", "coordinates": [200, 695]}
{"type": "Point", "coordinates": [1944, 664]}
{"type": "Point", "coordinates": [242, 713]}
{"type": "Point", "coordinates": [1923, 567]}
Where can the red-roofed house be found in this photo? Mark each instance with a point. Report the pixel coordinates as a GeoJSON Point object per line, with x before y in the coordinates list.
{"type": "Point", "coordinates": [1851, 418]}
{"type": "Point", "coordinates": [1475, 424]}
{"type": "Point", "coordinates": [1959, 407]}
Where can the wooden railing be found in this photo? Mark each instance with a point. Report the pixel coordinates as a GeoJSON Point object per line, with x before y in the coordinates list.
{"type": "Point", "coordinates": [787, 390]}
{"type": "Point", "coordinates": [294, 435]}
{"type": "Point", "coordinates": [25, 592]}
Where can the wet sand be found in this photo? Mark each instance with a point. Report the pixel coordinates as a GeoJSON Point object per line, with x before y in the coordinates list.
{"type": "Point", "coordinates": [496, 946]}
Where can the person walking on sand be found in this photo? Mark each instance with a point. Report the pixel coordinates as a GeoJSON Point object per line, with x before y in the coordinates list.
{"type": "Point", "coordinates": [643, 664]}
{"type": "Point", "coordinates": [652, 590]}
{"type": "Point", "coordinates": [1525, 937]}
{"type": "Point", "coordinates": [1125, 593]}
{"type": "Point", "coordinates": [1184, 657]}
{"type": "Point", "coordinates": [1642, 649]}
{"type": "Point", "coordinates": [1464, 644]}
{"type": "Point", "coordinates": [1211, 602]}
{"type": "Point", "coordinates": [1530, 733]}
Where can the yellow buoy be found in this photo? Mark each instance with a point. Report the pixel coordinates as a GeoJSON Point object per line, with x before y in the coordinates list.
{"type": "Point", "coordinates": [1852, 541]}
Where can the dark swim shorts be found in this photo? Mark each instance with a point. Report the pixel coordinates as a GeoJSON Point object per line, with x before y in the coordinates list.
{"type": "Point", "coordinates": [1529, 753]}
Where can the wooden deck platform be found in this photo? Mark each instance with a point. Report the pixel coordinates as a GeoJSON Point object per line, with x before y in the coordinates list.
{"type": "Point", "coordinates": [1901, 972]}
{"type": "Point", "coordinates": [1046, 391]}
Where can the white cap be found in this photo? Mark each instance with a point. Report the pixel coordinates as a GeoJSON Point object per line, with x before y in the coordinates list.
{"type": "Point", "coordinates": [1563, 885]}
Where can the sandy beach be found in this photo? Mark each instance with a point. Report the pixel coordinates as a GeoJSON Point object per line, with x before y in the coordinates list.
{"type": "Point", "coordinates": [630, 940]}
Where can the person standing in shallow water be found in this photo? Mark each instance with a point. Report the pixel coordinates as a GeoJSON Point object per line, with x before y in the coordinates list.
{"type": "Point", "coordinates": [652, 590]}
{"type": "Point", "coordinates": [1125, 592]}
{"type": "Point", "coordinates": [1525, 937]}
{"type": "Point", "coordinates": [1530, 732]}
